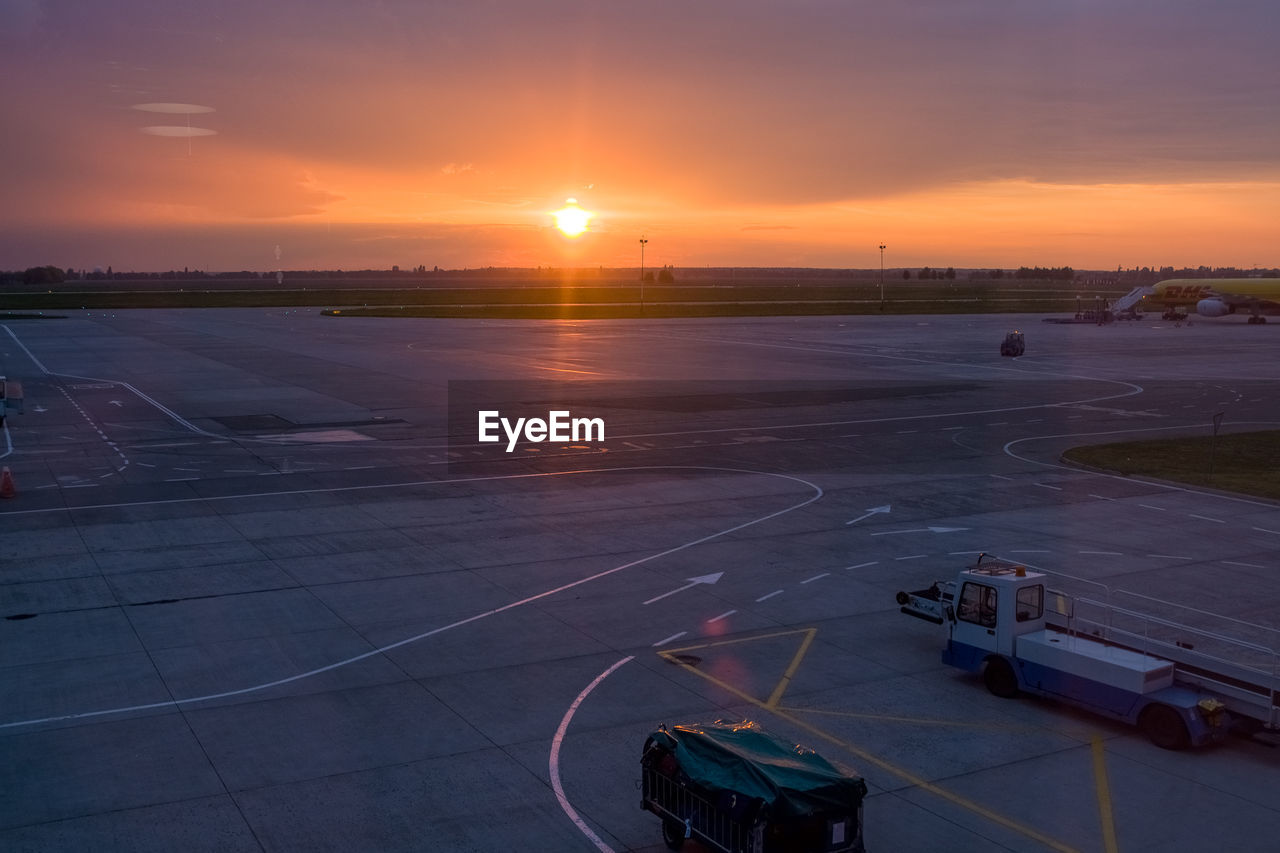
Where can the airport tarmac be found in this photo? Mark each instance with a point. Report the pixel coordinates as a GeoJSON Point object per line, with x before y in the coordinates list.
{"type": "Point", "coordinates": [262, 588]}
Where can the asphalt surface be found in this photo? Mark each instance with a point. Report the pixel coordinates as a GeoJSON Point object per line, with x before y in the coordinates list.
{"type": "Point", "coordinates": [264, 588]}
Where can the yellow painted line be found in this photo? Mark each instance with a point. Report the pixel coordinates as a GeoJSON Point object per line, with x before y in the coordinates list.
{"type": "Point", "coordinates": [776, 696]}
{"type": "Point", "coordinates": [735, 642]}
{"type": "Point", "coordinates": [902, 773]}
{"type": "Point", "coordinates": [1105, 814]}
{"type": "Point", "coordinates": [927, 721]}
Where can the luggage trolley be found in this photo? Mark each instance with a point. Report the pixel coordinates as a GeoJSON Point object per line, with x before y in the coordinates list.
{"type": "Point", "coordinates": [738, 789]}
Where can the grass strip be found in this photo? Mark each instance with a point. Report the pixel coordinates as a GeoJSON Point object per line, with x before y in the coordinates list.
{"type": "Point", "coordinates": [1244, 462]}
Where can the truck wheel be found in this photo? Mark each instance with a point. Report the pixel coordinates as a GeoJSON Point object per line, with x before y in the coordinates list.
{"type": "Point", "coordinates": [673, 834]}
{"type": "Point", "coordinates": [999, 678]}
{"type": "Point", "coordinates": [1164, 727]}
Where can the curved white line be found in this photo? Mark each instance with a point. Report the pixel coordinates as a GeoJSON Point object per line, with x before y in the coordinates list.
{"type": "Point", "coordinates": [554, 761]}
{"type": "Point", "coordinates": [1149, 482]}
{"type": "Point", "coordinates": [173, 703]}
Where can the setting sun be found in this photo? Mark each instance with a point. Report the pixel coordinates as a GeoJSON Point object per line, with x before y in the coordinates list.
{"type": "Point", "coordinates": [571, 219]}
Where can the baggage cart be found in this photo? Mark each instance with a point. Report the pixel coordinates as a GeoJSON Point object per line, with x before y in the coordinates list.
{"type": "Point", "coordinates": [737, 789]}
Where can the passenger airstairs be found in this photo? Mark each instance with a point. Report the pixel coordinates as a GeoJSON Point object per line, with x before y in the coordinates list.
{"type": "Point", "coordinates": [1130, 299]}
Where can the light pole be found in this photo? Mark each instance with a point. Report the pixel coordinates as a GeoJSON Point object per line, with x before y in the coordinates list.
{"type": "Point", "coordinates": [882, 275]}
{"type": "Point", "coordinates": [643, 241]}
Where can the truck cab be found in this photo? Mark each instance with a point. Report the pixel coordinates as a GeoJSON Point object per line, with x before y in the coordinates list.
{"type": "Point", "coordinates": [1004, 622]}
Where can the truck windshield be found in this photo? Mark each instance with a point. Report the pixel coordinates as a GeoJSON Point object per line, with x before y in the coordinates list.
{"type": "Point", "coordinates": [978, 604]}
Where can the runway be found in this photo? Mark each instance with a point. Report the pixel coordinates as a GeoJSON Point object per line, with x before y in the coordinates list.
{"type": "Point", "coordinates": [263, 588]}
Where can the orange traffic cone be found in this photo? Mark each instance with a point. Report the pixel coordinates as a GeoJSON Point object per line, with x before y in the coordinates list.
{"type": "Point", "coordinates": [7, 489]}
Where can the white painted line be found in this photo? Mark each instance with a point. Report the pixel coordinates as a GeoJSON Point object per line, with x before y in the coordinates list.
{"type": "Point", "coordinates": [724, 615]}
{"type": "Point", "coordinates": [1001, 477]}
{"type": "Point", "coordinates": [816, 578]}
{"type": "Point", "coordinates": [554, 760]}
{"type": "Point", "coordinates": [1101, 497]}
{"type": "Point", "coordinates": [144, 465]}
{"type": "Point", "coordinates": [475, 617]}
{"type": "Point", "coordinates": [358, 468]}
{"type": "Point", "coordinates": [670, 639]}
{"type": "Point", "coordinates": [700, 579]}
{"type": "Point", "coordinates": [1074, 417]}
{"type": "Point", "coordinates": [1170, 557]}
{"type": "Point", "coordinates": [1265, 530]}
{"type": "Point", "coordinates": [862, 565]}
{"type": "Point", "coordinates": [231, 470]}
{"type": "Point", "coordinates": [1047, 486]}
{"type": "Point", "coordinates": [1104, 553]}
{"type": "Point", "coordinates": [1206, 518]}
{"type": "Point", "coordinates": [964, 553]}
{"type": "Point", "coordinates": [180, 479]}
{"type": "Point", "coordinates": [1156, 508]}
{"type": "Point", "coordinates": [930, 529]}
{"type": "Point", "coordinates": [947, 429]}
{"type": "Point", "coordinates": [851, 435]}
{"type": "Point", "coordinates": [1032, 551]}
{"type": "Point", "coordinates": [49, 486]}
{"type": "Point", "coordinates": [1034, 421]}
{"type": "Point", "coordinates": [907, 431]}
{"type": "Point", "coordinates": [187, 469]}
{"type": "Point", "coordinates": [768, 595]}
{"type": "Point", "coordinates": [82, 486]}
{"type": "Point", "coordinates": [911, 557]}
{"type": "Point", "coordinates": [1246, 565]}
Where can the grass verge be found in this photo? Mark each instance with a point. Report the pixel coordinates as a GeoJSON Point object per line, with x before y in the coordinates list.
{"type": "Point", "coordinates": [1245, 462]}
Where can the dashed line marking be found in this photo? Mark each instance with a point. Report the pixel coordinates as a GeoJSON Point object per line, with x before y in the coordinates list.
{"type": "Point", "coordinates": [948, 429]}
{"type": "Point", "coordinates": [1265, 530]}
{"type": "Point", "coordinates": [963, 553]}
{"type": "Point", "coordinates": [724, 615]}
{"type": "Point", "coordinates": [1170, 557]}
{"type": "Point", "coordinates": [1001, 477]}
{"type": "Point", "coordinates": [1246, 565]}
{"type": "Point", "coordinates": [670, 639]}
{"type": "Point", "coordinates": [1034, 421]}
{"type": "Point", "coordinates": [999, 423]}
{"type": "Point", "coordinates": [1047, 486]}
{"type": "Point", "coordinates": [1101, 497]}
{"type": "Point", "coordinates": [768, 595]}
{"type": "Point", "coordinates": [911, 557]}
{"type": "Point", "coordinates": [862, 565]}
{"type": "Point", "coordinates": [358, 468]}
{"type": "Point", "coordinates": [816, 578]}
{"type": "Point", "coordinates": [1156, 508]}
{"type": "Point", "coordinates": [1103, 553]}
{"type": "Point", "coordinates": [1206, 518]}
{"type": "Point", "coordinates": [907, 431]}
{"type": "Point", "coordinates": [180, 479]}
{"type": "Point", "coordinates": [1032, 551]}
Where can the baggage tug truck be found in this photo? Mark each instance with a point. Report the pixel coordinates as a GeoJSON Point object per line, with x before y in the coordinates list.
{"type": "Point", "coordinates": [1182, 685]}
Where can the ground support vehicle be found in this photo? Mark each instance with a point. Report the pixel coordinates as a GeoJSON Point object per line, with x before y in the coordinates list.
{"type": "Point", "coordinates": [737, 789]}
{"type": "Point", "coordinates": [1183, 684]}
{"type": "Point", "coordinates": [1013, 344]}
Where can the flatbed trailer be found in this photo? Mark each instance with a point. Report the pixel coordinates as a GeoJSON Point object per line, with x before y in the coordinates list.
{"type": "Point", "coordinates": [1183, 684]}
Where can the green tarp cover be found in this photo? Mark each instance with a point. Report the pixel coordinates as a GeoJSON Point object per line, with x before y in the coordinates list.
{"type": "Point", "coordinates": [743, 758]}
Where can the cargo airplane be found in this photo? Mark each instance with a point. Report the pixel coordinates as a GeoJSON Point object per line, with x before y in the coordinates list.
{"type": "Point", "coordinates": [1217, 297]}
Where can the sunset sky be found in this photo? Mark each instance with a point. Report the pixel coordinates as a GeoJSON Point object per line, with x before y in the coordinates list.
{"type": "Point", "coordinates": [157, 135]}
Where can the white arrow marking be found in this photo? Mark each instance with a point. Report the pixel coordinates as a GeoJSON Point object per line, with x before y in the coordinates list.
{"type": "Point", "coordinates": [920, 530]}
{"type": "Point", "coordinates": [870, 512]}
{"type": "Point", "coordinates": [712, 578]}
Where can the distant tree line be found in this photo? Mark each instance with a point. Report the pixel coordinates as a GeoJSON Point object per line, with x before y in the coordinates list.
{"type": "Point", "coordinates": [1046, 273]}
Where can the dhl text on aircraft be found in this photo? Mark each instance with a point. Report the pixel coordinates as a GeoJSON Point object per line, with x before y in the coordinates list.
{"type": "Point", "coordinates": [1217, 297]}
